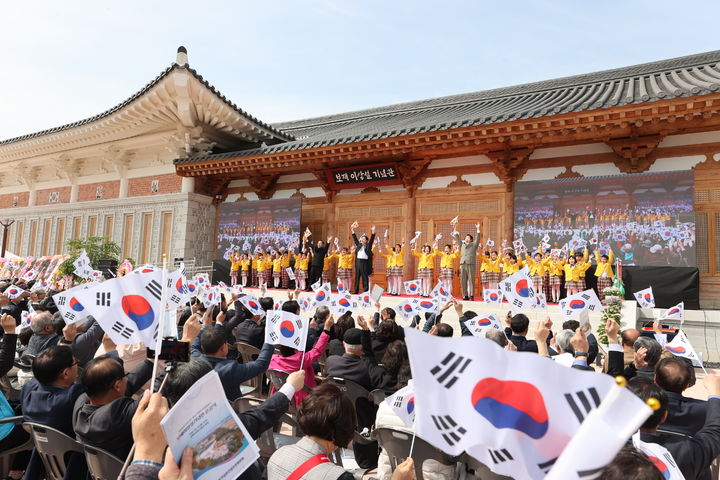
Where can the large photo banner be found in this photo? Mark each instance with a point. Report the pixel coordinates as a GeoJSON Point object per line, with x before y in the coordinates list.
{"type": "Point", "coordinates": [263, 225]}
{"type": "Point", "coordinates": [646, 219]}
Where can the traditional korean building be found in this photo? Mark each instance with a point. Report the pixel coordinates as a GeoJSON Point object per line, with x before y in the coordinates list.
{"type": "Point", "coordinates": [405, 168]}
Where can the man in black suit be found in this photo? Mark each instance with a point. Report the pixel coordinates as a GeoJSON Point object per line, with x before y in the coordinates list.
{"type": "Point", "coordinates": [693, 455]}
{"type": "Point", "coordinates": [685, 415]}
{"type": "Point", "coordinates": [647, 355]}
{"type": "Point", "coordinates": [363, 259]}
{"type": "Point", "coordinates": [518, 330]}
{"type": "Point", "coordinates": [316, 263]}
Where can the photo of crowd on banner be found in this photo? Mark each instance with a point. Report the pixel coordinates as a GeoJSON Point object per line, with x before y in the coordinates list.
{"type": "Point", "coordinates": [251, 227]}
{"type": "Point", "coordinates": [647, 219]}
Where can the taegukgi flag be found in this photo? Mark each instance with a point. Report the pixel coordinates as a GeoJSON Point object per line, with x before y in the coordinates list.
{"type": "Point", "coordinates": [69, 306]}
{"type": "Point", "coordinates": [286, 328]}
{"type": "Point", "coordinates": [645, 298]}
{"type": "Point", "coordinates": [440, 292]}
{"type": "Point", "coordinates": [577, 302]}
{"type": "Point", "coordinates": [660, 456]}
{"type": "Point", "coordinates": [681, 347]}
{"type": "Point", "coordinates": [492, 295]}
{"type": "Point", "coordinates": [675, 313]}
{"type": "Point", "coordinates": [406, 309]}
{"type": "Point", "coordinates": [342, 303]}
{"type": "Point", "coordinates": [514, 411]}
{"type": "Point", "coordinates": [402, 403]}
{"type": "Point", "coordinates": [252, 304]}
{"type": "Point", "coordinates": [412, 287]}
{"type": "Point", "coordinates": [178, 293]}
{"type": "Point", "coordinates": [481, 323]}
{"type": "Point", "coordinates": [322, 296]}
{"type": "Point", "coordinates": [518, 290]}
{"type": "Point", "coordinates": [127, 308]}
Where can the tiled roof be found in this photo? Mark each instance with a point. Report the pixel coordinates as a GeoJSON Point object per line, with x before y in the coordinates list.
{"type": "Point", "coordinates": [678, 77]}
{"type": "Point", "coordinates": [280, 136]}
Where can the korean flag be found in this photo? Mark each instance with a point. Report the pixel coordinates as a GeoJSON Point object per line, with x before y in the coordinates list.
{"type": "Point", "coordinates": [402, 403]}
{"type": "Point", "coordinates": [645, 298]}
{"type": "Point", "coordinates": [412, 287]}
{"type": "Point", "coordinates": [481, 323]}
{"type": "Point", "coordinates": [286, 328]}
{"type": "Point", "coordinates": [252, 304]}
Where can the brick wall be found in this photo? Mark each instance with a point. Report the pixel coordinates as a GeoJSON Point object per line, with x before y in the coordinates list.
{"type": "Point", "coordinates": [169, 183]}
{"type": "Point", "coordinates": [6, 201]}
{"type": "Point", "coordinates": [43, 196]}
{"type": "Point", "coordinates": [86, 193]}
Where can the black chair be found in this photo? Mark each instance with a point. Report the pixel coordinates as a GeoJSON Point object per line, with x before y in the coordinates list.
{"type": "Point", "coordinates": [361, 398]}
{"type": "Point", "coordinates": [249, 353]}
{"type": "Point", "coordinates": [52, 446]}
{"type": "Point", "coordinates": [7, 457]}
{"type": "Point", "coordinates": [102, 465]}
{"type": "Point", "coordinates": [396, 444]}
{"type": "Point", "coordinates": [271, 439]}
{"type": "Point", "coordinates": [480, 470]}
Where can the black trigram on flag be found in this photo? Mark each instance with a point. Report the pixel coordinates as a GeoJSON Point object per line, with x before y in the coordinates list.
{"type": "Point", "coordinates": [61, 301]}
{"type": "Point", "coordinates": [500, 456]}
{"type": "Point", "coordinates": [154, 289]}
{"type": "Point", "coordinates": [448, 371]}
{"type": "Point", "coordinates": [451, 432]}
{"type": "Point", "coordinates": [582, 402]}
{"type": "Point", "coordinates": [122, 330]}
{"type": "Point", "coordinates": [69, 316]}
{"type": "Point", "coordinates": [155, 333]}
{"type": "Point", "coordinates": [102, 299]}
{"type": "Point", "coordinates": [518, 303]}
{"type": "Point", "coordinates": [507, 286]}
{"type": "Point", "coordinates": [398, 401]}
{"type": "Point", "coordinates": [273, 336]}
{"type": "Point", "coordinates": [299, 323]}
{"type": "Point", "coordinates": [175, 299]}
{"type": "Point", "coordinates": [546, 466]}
{"type": "Point", "coordinates": [296, 342]}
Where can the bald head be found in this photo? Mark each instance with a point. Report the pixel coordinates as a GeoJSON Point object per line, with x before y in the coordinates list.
{"type": "Point", "coordinates": [629, 337]}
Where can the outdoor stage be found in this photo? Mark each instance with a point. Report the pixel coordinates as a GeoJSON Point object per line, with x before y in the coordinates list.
{"type": "Point", "coordinates": [701, 326]}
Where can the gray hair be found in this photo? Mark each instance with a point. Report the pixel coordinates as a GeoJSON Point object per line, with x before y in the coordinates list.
{"type": "Point", "coordinates": [41, 321]}
{"type": "Point", "coordinates": [352, 347]}
{"type": "Point", "coordinates": [563, 340]}
{"type": "Point", "coordinates": [654, 350]}
{"type": "Point", "coordinates": [322, 313]}
{"type": "Point", "coordinates": [497, 336]}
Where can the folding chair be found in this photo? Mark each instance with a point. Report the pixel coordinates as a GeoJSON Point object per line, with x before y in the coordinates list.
{"type": "Point", "coordinates": [396, 444]}
{"type": "Point", "coordinates": [480, 469]}
{"type": "Point", "coordinates": [6, 457]}
{"type": "Point", "coordinates": [357, 393]}
{"type": "Point", "coordinates": [271, 439]}
{"type": "Point", "coordinates": [249, 353]}
{"type": "Point", "coordinates": [52, 446]}
{"type": "Point", "coordinates": [102, 465]}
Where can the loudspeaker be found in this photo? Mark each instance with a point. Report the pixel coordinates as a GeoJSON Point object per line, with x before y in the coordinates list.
{"type": "Point", "coordinates": [108, 268]}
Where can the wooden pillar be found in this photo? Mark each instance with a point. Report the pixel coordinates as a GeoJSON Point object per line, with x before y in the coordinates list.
{"type": "Point", "coordinates": [331, 227]}
{"type": "Point", "coordinates": [410, 226]}
{"type": "Point", "coordinates": [509, 216]}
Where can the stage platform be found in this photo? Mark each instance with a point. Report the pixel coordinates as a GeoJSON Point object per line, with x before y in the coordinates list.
{"type": "Point", "coordinates": [701, 326]}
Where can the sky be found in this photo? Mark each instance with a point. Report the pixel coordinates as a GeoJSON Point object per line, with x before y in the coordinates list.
{"type": "Point", "coordinates": [282, 60]}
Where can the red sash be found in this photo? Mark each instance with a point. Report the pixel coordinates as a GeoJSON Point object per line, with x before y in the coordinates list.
{"type": "Point", "coordinates": [309, 464]}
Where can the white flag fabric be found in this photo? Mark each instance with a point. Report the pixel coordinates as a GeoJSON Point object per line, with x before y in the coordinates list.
{"type": "Point", "coordinates": [490, 243]}
{"type": "Point", "coordinates": [586, 300]}
{"type": "Point", "coordinates": [412, 287]}
{"type": "Point", "coordinates": [415, 238]}
{"type": "Point", "coordinates": [316, 286]}
{"type": "Point", "coordinates": [69, 306]}
{"type": "Point", "coordinates": [202, 280]}
{"type": "Point", "coordinates": [286, 328]}
{"type": "Point", "coordinates": [480, 324]}
{"type": "Point", "coordinates": [13, 291]}
{"type": "Point", "coordinates": [540, 300]}
{"type": "Point", "coordinates": [30, 275]}
{"type": "Point", "coordinates": [147, 268]}
{"type": "Point", "coordinates": [290, 273]}
{"type": "Point", "coordinates": [607, 428]}
{"type": "Point", "coordinates": [660, 456]}
{"type": "Point", "coordinates": [305, 303]}
{"type": "Point", "coordinates": [518, 290]}
{"type": "Point", "coordinates": [364, 299]}
{"type": "Point", "coordinates": [178, 293]}
{"type": "Point", "coordinates": [342, 303]}
{"type": "Point", "coordinates": [83, 268]}
{"type": "Point", "coordinates": [676, 313]}
{"type": "Point", "coordinates": [645, 298]}
{"type": "Point", "coordinates": [402, 403]}
{"type": "Point", "coordinates": [406, 309]}
{"type": "Point", "coordinates": [513, 411]}
{"type": "Point", "coordinates": [127, 308]}
{"type": "Point", "coordinates": [425, 305]}
{"type": "Point", "coordinates": [681, 347]}
{"type": "Point", "coordinates": [492, 296]}
{"type": "Point", "coordinates": [440, 293]}
{"type": "Point", "coordinates": [252, 304]}
{"type": "Point", "coordinates": [322, 296]}
{"type": "Point", "coordinates": [210, 296]}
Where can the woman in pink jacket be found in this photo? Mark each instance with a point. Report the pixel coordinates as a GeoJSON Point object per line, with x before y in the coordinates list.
{"type": "Point", "coordinates": [289, 359]}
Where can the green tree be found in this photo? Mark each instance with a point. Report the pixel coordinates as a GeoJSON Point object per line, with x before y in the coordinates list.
{"type": "Point", "coordinates": [97, 248]}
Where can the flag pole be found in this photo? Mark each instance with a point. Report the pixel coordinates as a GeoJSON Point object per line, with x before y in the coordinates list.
{"type": "Point", "coordinates": [161, 323]}
{"type": "Point", "coordinates": [412, 442]}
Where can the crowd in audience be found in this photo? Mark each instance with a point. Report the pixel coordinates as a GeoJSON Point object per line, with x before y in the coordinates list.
{"type": "Point", "coordinates": [75, 380]}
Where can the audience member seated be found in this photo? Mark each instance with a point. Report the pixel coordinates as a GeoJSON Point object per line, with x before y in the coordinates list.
{"type": "Point", "coordinates": [647, 355]}
{"type": "Point", "coordinates": [566, 354]}
{"type": "Point", "coordinates": [252, 329]}
{"type": "Point", "coordinates": [685, 415]}
{"type": "Point", "coordinates": [83, 344]}
{"type": "Point", "coordinates": [103, 414]}
{"type": "Point", "coordinates": [327, 417]}
{"type": "Point", "coordinates": [386, 331]}
{"type": "Point", "coordinates": [256, 420]}
{"type": "Point", "coordinates": [630, 463]}
{"type": "Point", "coordinates": [497, 336]}
{"type": "Point", "coordinates": [592, 341]}
{"type": "Point", "coordinates": [342, 324]}
{"type": "Point", "coordinates": [49, 399]}
{"type": "Point", "coordinates": [317, 326]}
{"type": "Point", "coordinates": [517, 332]}
{"type": "Point", "coordinates": [693, 455]}
{"type": "Point", "coordinates": [212, 346]}
{"type": "Point", "coordinates": [290, 359]}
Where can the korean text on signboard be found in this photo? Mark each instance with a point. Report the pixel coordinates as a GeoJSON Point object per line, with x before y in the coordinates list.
{"type": "Point", "coordinates": [386, 174]}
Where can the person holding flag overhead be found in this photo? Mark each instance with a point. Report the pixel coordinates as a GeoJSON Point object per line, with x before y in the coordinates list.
{"type": "Point", "coordinates": [426, 263]}
{"type": "Point", "coordinates": [604, 272]}
{"type": "Point", "coordinates": [318, 256]}
{"type": "Point", "coordinates": [538, 266]}
{"type": "Point", "coordinates": [345, 266]}
{"type": "Point", "coordinates": [490, 269]}
{"type": "Point", "coordinates": [235, 264]}
{"type": "Point", "coordinates": [291, 359]}
{"type": "Point", "coordinates": [363, 259]}
{"type": "Point", "coordinates": [447, 265]}
{"type": "Point", "coordinates": [468, 260]}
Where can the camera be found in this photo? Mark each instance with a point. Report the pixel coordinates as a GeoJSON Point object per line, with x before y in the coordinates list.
{"type": "Point", "coordinates": [172, 350]}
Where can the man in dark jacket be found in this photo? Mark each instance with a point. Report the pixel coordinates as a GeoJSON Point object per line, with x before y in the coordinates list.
{"type": "Point", "coordinates": [685, 415]}
{"type": "Point", "coordinates": [84, 345]}
{"type": "Point", "coordinates": [211, 345]}
{"type": "Point", "coordinates": [518, 330]}
{"type": "Point", "coordinates": [316, 263]}
{"type": "Point", "coordinates": [693, 455]}
{"type": "Point", "coordinates": [363, 259]}
{"type": "Point", "coordinates": [102, 416]}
